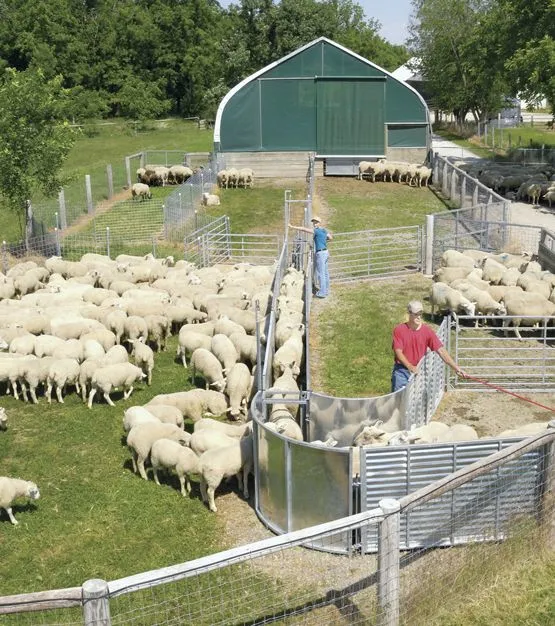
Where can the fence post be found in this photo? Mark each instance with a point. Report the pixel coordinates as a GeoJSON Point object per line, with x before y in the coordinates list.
{"type": "Point", "coordinates": [96, 606]}
{"type": "Point", "coordinates": [463, 192]}
{"type": "Point", "coordinates": [58, 251]}
{"type": "Point", "coordinates": [165, 221]}
{"type": "Point", "coordinates": [388, 563]}
{"type": "Point", "coordinates": [110, 180]}
{"type": "Point", "coordinates": [444, 179]}
{"type": "Point", "coordinates": [429, 260]}
{"type": "Point", "coordinates": [454, 180]}
{"type": "Point", "coordinates": [475, 195]}
{"type": "Point", "coordinates": [108, 241]}
{"type": "Point", "coordinates": [88, 193]}
{"type": "Point", "coordinates": [4, 257]}
{"type": "Point", "coordinates": [128, 170]}
{"type": "Point", "coordinates": [154, 246]}
{"type": "Point", "coordinates": [547, 507]}
{"type": "Point", "coordinates": [62, 204]}
{"type": "Point", "coordinates": [436, 167]}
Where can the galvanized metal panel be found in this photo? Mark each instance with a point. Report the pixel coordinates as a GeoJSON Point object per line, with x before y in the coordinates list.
{"type": "Point", "coordinates": [341, 167]}
{"type": "Point", "coordinates": [479, 510]}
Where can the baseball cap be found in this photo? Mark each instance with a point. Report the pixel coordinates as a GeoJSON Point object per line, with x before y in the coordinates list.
{"type": "Point", "coordinates": [315, 218]}
{"type": "Point", "coordinates": [415, 306]}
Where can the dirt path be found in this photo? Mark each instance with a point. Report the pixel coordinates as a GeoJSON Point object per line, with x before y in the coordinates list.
{"type": "Point", "coordinates": [100, 208]}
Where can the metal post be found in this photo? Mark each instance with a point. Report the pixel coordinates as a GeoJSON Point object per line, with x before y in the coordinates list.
{"type": "Point", "coordinates": [154, 246]}
{"type": "Point", "coordinates": [429, 261]}
{"type": "Point", "coordinates": [56, 222]}
{"type": "Point", "coordinates": [388, 563]}
{"type": "Point", "coordinates": [475, 196]}
{"type": "Point", "coordinates": [259, 379]}
{"type": "Point", "coordinates": [88, 193]}
{"type": "Point", "coordinates": [58, 249]}
{"type": "Point", "coordinates": [96, 605]}
{"type": "Point", "coordinates": [128, 170]}
{"type": "Point", "coordinates": [110, 180]}
{"type": "Point", "coordinates": [547, 506]}
{"type": "Point", "coordinates": [454, 180]}
{"type": "Point", "coordinates": [108, 241]}
{"type": "Point", "coordinates": [62, 205]}
{"type": "Point", "coordinates": [165, 221]}
{"type": "Point", "coordinates": [463, 192]}
{"type": "Point", "coordinates": [4, 257]}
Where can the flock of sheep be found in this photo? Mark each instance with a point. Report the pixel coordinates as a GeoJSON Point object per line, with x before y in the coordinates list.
{"type": "Point", "coordinates": [473, 282]}
{"type": "Point", "coordinates": [77, 324]}
{"type": "Point", "coordinates": [531, 183]}
{"type": "Point", "coordinates": [233, 178]}
{"type": "Point", "coordinates": [400, 171]}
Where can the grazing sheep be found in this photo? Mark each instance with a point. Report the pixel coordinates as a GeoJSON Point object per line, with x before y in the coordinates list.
{"type": "Point", "coordinates": [12, 488]}
{"type": "Point", "coordinates": [238, 389]}
{"type": "Point", "coordinates": [223, 349]}
{"type": "Point", "coordinates": [137, 415]}
{"type": "Point", "coordinates": [208, 439]}
{"type": "Point", "coordinates": [189, 341]}
{"type": "Point", "coordinates": [209, 366]}
{"type": "Point", "coordinates": [219, 463]}
{"type": "Point", "coordinates": [193, 404]}
{"type": "Point", "coordinates": [141, 437]}
{"type": "Point", "coordinates": [143, 357]}
{"type": "Point", "coordinates": [170, 455]}
{"type": "Point", "coordinates": [166, 413]}
{"type": "Point", "coordinates": [61, 373]}
{"type": "Point", "coordinates": [113, 377]}
{"type": "Point", "coordinates": [210, 199]}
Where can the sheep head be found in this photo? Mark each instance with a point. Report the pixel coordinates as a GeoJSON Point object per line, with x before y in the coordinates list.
{"type": "Point", "coordinates": [32, 491]}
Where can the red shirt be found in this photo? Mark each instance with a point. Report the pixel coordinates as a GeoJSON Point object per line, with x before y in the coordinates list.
{"type": "Point", "coordinates": [414, 343]}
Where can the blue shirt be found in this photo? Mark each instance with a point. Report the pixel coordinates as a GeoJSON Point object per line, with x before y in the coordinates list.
{"type": "Point", "coordinates": [320, 239]}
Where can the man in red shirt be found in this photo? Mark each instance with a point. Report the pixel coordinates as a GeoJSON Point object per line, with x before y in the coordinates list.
{"type": "Point", "coordinates": [411, 341]}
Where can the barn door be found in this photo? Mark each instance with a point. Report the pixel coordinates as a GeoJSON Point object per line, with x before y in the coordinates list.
{"type": "Point", "coordinates": [350, 116]}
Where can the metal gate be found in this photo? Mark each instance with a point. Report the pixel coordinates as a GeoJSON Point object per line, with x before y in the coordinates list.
{"type": "Point", "coordinates": [375, 253]}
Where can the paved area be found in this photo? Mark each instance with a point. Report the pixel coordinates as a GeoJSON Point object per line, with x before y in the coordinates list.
{"type": "Point", "coordinates": [521, 212]}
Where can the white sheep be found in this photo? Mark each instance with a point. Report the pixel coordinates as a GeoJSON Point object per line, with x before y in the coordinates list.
{"type": "Point", "coordinates": [137, 415]}
{"type": "Point", "coordinates": [170, 455]}
{"type": "Point", "coordinates": [12, 488]}
{"type": "Point", "coordinates": [112, 377]}
{"type": "Point", "coordinates": [446, 299]}
{"type": "Point", "coordinates": [219, 463]}
{"type": "Point", "coordinates": [528, 308]}
{"type": "Point", "coordinates": [143, 357]}
{"type": "Point", "coordinates": [210, 199]}
{"type": "Point", "coordinates": [238, 389]}
{"type": "Point", "coordinates": [141, 191]}
{"type": "Point", "coordinates": [526, 430]}
{"type": "Point", "coordinates": [224, 350]}
{"type": "Point", "coordinates": [3, 419]}
{"type": "Point", "coordinates": [141, 437]}
{"type": "Point", "coordinates": [189, 341]}
{"type": "Point", "coordinates": [166, 413]}
{"type": "Point", "coordinates": [208, 439]}
{"type": "Point", "coordinates": [454, 258]}
{"type": "Point", "coordinates": [484, 303]}
{"type": "Point", "coordinates": [179, 174]}
{"type": "Point", "coordinates": [135, 328]}
{"type": "Point", "coordinates": [245, 177]}
{"type": "Point", "coordinates": [209, 366]}
{"type": "Point", "coordinates": [61, 373]}
{"type": "Point", "coordinates": [193, 404]}
{"type": "Point", "coordinates": [232, 430]}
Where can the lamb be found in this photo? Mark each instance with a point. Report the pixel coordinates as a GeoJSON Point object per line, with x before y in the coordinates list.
{"type": "Point", "coordinates": [3, 419]}
{"type": "Point", "coordinates": [231, 430]}
{"type": "Point", "coordinates": [454, 258]}
{"type": "Point", "coordinates": [189, 341]}
{"type": "Point", "coordinates": [219, 463]}
{"type": "Point", "coordinates": [238, 389]}
{"type": "Point", "coordinates": [194, 403]}
{"type": "Point", "coordinates": [111, 377]}
{"type": "Point", "coordinates": [135, 328]}
{"type": "Point", "coordinates": [246, 346]}
{"type": "Point", "coordinates": [144, 358]}
{"type": "Point", "coordinates": [210, 199]}
{"type": "Point", "coordinates": [209, 439]}
{"type": "Point", "coordinates": [166, 413]}
{"type": "Point", "coordinates": [449, 274]}
{"type": "Point", "coordinates": [528, 308]}
{"type": "Point", "coordinates": [224, 350]}
{"type": "Point", "coordinates": [12, 488]}
{"type": "Point", "coordinates": [142, 436]}
{"type": "Point", "coordinates": [485, 303]}
{"type": "Point", "coordinates": [137, 415]}
{"type": "Point", "coordinates": [60, 374]}
{"type": "Point", "coordinates": [446, 299]}
{"type": "Point", "coordinates": [168, 454]}
{"type": "Point", "coordinates": [207, 364]}
{"type": "Point", "coordinates": [493, 271]}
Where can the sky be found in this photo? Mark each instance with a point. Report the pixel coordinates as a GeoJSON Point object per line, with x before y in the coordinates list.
{"type": "Point", "coordinates": [393, 15]}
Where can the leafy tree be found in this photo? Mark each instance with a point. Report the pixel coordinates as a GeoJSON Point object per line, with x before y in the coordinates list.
{"type": "Point", "coordinates": [35, 137]}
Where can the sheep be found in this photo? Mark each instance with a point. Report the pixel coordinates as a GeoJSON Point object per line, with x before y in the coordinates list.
{"type": "Point", "coordinates": [46, 344]}
{"type": "Point", "coordinates": [111, 377]}
{"type": "Point", "coordinates": [484, 302]}
{"type": "Point", "coordinates": [194, 403]}
{"type": "Point", "coordinates": [285, 424]}
{"type": "Point", "coordinates": [238, 389]}
{"type": "Point", "coordinates": [158, 330]}
{"type": "Point", "coordinates": [449, 274]}
{"type": "Point", "coordinates": [231, 430]}
{"type": "Point", "coordinates": [137, 415]}
{"type": "Point", "coordinates": [105, 337]}
{"type": "Point", "coordinates": [222, 178]}
{"type": "Point", "coordinates": [454, 258]}
{"type": "Point", "coordinates": [206, 328]}
{"type": "Point", "coordinates": [179, 174]}
{"type": "Point", "coordinates": [135, 328]}
{"type": "Point", "coordinates": [25, 344]}
{"type": "Point", "coordinates": [521, 305]}
{"type": "Point", "coordinates": [168, 454]}
{"type": "Point", "coordinates": [61, 373]}
{"type": "Point", "coordinates": [189, 341]}
{"type": "Point", "coordinates": [3, 419]}
{"type": "Point", "coordinates": [143, 357]}
{"type": "Point", "coordinates": [446, 299]}
{"type": "Point", "coordinates": [219, 463]}
{"type": "Point", "coordinates": [208, 439]}
{"type": "Point", "coordinates": [209, 366]}
{"type": "Point", "coordinates": [246, 346]}
{"type": "Point", "coordinates": [72, 349]}
{"type": "Point", "coordinates": [166, 413]}
{"type": "Point", "coordinates": [224, 350]}
{"type": "Point", "coordinates": [12, 488]}
{"type": "Point", "coordinates": [141, 437]}
{"type": "Point", "coordinates": [245, 177]}
{"type": "Point", "coordinates": [7, 288]}
{"type": "Point", "coordinates": [232, 177]}
{"type": "Point", "coordinates": [210, 199]}
{"type": "Point", "coordinates": [33, 373]}
{"type": "Point", "coordinates": [289, 355]}
{"type": "Point", "coordinates": [549, 195]}
{"type": "Point", "coordinates": [423, 175]}
{"type": "Point", "coordinates": [526, 430]}
{"type": "Point", "coordinates": [92, 350]}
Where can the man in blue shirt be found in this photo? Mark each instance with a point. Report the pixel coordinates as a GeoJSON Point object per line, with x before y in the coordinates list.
{"type": "Point", "coordinates": [321, 255]}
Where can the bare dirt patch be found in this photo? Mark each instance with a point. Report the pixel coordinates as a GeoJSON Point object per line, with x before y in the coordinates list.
{"type": "Point", "coordinates": [100, 208]}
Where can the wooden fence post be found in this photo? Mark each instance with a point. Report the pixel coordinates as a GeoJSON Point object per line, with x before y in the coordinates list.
{"type": "Point", "coordinates": [388, 563]}
{"type": "Point", "coordinates": [96, 605]}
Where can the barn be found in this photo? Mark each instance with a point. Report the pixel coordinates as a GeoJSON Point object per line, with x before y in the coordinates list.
{"type": "Point", "coordinates": [323, 99]}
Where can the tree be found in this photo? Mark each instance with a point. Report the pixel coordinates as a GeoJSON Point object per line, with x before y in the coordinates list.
{"type": "Point", "coordinates": [35, 137]}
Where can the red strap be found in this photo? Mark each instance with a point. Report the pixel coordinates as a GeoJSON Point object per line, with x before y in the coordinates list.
{"type": "Point", "coordinates": [485, 382]}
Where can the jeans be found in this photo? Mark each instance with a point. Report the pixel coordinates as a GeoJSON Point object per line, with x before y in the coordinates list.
{"type": "Point", "coordinates": [400, 377]}
{"type": "Point", "coordinates": [321, 274]}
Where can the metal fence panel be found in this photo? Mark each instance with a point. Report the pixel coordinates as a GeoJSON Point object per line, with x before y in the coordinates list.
{"type": "Point", "coordinates": [376, 253]}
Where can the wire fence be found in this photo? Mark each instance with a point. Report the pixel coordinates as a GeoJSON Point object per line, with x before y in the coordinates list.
{"type": "Point", "coordinates": [275, 581]}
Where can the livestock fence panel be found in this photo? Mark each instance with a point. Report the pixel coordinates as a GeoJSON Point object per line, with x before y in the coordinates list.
{"type": "Point", "coordinates": [377, 253]}
{"type": "Point", "coordinates": [494, 354]}
{"type": "Point", "coordinates": [503, 503]}
{"type": "Point", "coordinates": [532, 156]}
{"type": "Point", "coordinates": [465, 190]}
{"type": "Point", "coordinates": [474, 228]}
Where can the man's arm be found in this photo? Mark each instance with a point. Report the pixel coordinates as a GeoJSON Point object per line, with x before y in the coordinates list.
{"type": "Point", "coordinates": [446, 358]}
{"type": "Point", "coordinates": [403, 359]}
{"type": "Point", "coordinates": [303, 228]}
